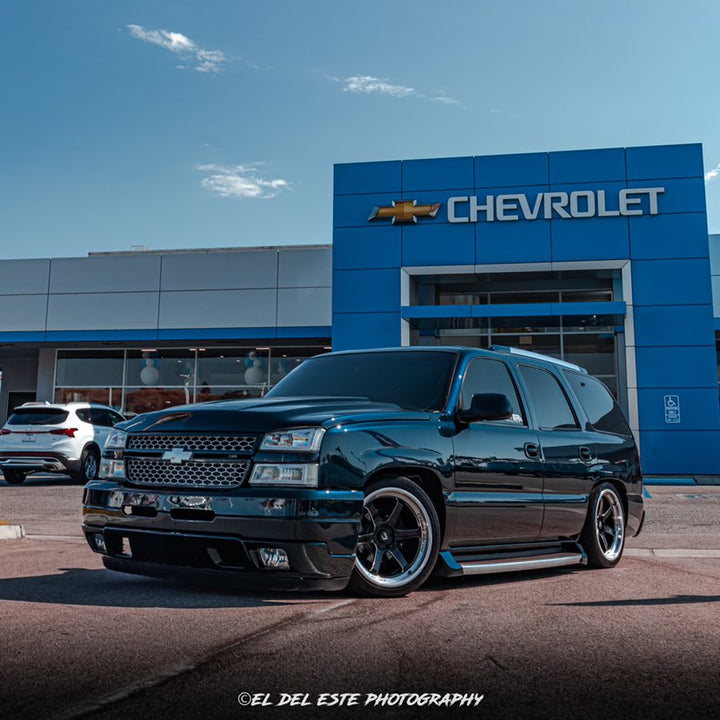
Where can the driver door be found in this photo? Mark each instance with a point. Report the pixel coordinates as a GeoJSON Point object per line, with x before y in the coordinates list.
{"type": "Point", "coordinates": [498, 466]}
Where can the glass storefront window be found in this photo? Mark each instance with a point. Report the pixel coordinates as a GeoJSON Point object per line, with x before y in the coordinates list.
{"type": "Point", "coordinates": [206, 393]}
{"type": "Point", "coordinates": [96, 395]}
{"type": "Point", "coordinates": [88, 368]}
{"type": "Point", "coordinates": [139, 400]}
{"type": "Point", "coordinates": [593, 351]}
{"type": "Point", "coordinates": [140, 380]}
{"type": "Point", "coordinates": [286, 360]}
{"type": "Point", "coordinates": [150, 368]}
{"type": "Point", "coordinates": [517, 298]}
{"type": "Point", "coordinates": [233, 367]}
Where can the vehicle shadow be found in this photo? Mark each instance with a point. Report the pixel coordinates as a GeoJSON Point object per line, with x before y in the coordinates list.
{"type": "Point", "coordinates": [645, 602]}
{"type": "Point", "coordinates": [102, 588]}
{"type": "Point", "coordinates": [437, 582]}
{"type": "Point", "coordinates": [43, 481]}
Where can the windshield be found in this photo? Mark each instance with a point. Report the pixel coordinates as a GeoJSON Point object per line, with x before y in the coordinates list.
{"type": "Point", "coordinates": [412, 380]}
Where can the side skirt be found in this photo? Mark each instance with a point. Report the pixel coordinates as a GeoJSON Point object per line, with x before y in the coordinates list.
{"type": "Point", "coordinates": [508, 558]}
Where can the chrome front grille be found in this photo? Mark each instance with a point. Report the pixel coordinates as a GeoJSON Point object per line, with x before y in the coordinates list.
{"type": "Point", "coordinates": [241, 444]}
{"type": "Point", "coordinates": [190, 474]}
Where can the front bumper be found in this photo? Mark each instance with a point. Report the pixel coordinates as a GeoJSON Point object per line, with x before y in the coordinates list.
{"type": "Point", "coordinates": [196, 533]}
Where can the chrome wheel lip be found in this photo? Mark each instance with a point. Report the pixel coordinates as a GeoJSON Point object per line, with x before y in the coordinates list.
{"type": "Point", "coordinates": [609, 524]}
{"type": "Point", "coordinates": [422, 555]}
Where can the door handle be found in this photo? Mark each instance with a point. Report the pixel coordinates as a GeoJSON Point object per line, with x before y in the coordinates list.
{"type": "Point", "coordinates": [585, 453]}
{"type": "Point", "coordinates": [532, 451]}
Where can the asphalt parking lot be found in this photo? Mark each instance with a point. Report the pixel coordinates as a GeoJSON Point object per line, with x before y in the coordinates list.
{"type": "Point", "coordinates": [642, 640]}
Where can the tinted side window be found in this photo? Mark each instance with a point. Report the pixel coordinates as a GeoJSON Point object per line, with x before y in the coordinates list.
{"type": "Point", "coordinates": [490, 376]}
{"type": "Point", "coordinates": [84, 414]}
{"type": "Point", "coordinates": [599, 405]}
{"type": "Point", "coordinates": [100, 417]}
{"type": "Point", "coordinates": [551, 406]}
{"type": "Point", "coordinates": [115, 418]}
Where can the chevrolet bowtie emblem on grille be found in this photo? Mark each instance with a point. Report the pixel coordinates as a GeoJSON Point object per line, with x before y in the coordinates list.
{"type": "Point", "coordinates": [404, 211]}
{"type": "Point", "coordinates": [177, 456]}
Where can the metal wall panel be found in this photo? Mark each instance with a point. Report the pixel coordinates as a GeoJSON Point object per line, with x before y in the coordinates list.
{"type": "Point", "coordinates": [24, 276]}
{"type": "Point", "coordinates": [22, 313]}
{"type": "Point", "coordinates": [304, 307]}
{"type": "Point", "coordinates": [106, 274]}
{"type": "Point", "coordinates": [305, 268]}
{"type": "Point", "coordinates": [219, 270]}
{"type": "Point", "coordinates": [218, 309]}
{"type": "Point", "coordinates": [103, 311]}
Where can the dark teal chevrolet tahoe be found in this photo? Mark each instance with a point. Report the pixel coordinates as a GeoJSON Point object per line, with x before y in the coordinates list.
{"type": "Point", "coordinates": [375, 468]}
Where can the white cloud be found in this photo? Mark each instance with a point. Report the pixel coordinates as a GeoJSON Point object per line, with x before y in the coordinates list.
{"type": "Point", "coordinates": [712, 174]}
{"type": "Point", "coordinates": [240, 181]}
{"type": "Point", "coordinates": [368, 85]}
{"type": "Point", "coordinates": [175, 42]}
{"type": "Point", "coordinates": [445, 100]}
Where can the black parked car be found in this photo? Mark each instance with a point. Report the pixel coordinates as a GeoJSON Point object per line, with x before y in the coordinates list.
{"type": "Point", "coordinates": [375, 468]}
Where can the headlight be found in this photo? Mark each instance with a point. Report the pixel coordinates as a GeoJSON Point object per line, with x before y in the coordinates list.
{"type": "Point", "coordinates": [297, 440]}
{"type": "Point", "coordinates": [116, 440]}
{"type": "Point", "coordinates": [112, 469]}
{"type": "Point", "coordinates": [298, 474]}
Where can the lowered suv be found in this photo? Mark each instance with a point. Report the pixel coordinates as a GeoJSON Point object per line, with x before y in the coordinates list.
{"type": "Point", "coordinates": [375, 468]}
{"type": "Point", "coordinates": [52, 437]}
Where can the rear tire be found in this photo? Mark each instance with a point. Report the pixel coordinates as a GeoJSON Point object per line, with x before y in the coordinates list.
{"type": "Point", "coordinates": [89, 466]}
{"type": "Point", "coordinates": [14, 477]}
{"type": "Point", "coordinates": [399, 539]}
{"type": "Point", "coordinates": [603, 536]}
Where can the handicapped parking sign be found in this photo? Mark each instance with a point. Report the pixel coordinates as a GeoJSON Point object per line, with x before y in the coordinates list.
{"type": "Point", "coordinates": [672, 408]}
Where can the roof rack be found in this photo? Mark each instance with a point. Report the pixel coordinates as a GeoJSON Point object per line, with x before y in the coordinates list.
{"type": "Point", "coordinates": [537, 356]}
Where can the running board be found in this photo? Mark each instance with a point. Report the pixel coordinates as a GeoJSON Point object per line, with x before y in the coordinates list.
{"type": "Point", "coordinates": [512, 562]}
{"type": "Point", "coordinates": [536, 563]}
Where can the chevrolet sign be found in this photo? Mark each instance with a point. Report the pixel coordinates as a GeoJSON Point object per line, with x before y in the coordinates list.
{"type": "Point", "coordinates": [629, 202]}
{"type": "Point", "coordinates": [550, 205]}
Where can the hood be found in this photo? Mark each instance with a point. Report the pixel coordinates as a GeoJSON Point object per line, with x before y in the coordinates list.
{"type": "Point", "coordinates": [264, 415]}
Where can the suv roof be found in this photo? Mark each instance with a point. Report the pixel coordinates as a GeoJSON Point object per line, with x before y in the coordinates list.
{"type": "Point", "coordinates": [499, 349]}
{"type": "Point", "coordinates": [59, 405]}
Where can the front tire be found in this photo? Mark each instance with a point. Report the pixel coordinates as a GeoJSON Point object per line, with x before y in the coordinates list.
{"type": "Point", "coordinates": [14, 477]}
{"type": "Point", "coordinates": [399, 539]}
{"type": "Point", "coordinates": [89, 466]}
{"type": "Point", "coordinates": [603, 536]}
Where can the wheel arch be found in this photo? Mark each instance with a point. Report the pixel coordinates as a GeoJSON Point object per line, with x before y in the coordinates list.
{"type": "Point", "coordinates": [424, 478]}
{"type": "Point", "coordinates": [619, 485]}
{"type": "Point", "coordinates": [94, 446]}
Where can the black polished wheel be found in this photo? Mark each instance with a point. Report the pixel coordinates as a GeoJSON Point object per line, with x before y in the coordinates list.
{"type": "Point", "coordinates": [398, 541]}
{"type": "Point", "coordinates": [14, 477]}
{"type": "Point", "coordinates": [603, 536]}
{"type": "Point", "coordinates": [89, 466]}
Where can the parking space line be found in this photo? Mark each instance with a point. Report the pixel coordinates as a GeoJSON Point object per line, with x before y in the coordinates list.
{"type": "Point", "coordinates": [672, 552]}
{"type": "Point", "coordinates": [335, 606]}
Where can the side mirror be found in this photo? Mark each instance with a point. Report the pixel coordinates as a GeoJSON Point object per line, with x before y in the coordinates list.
{"type": "Point", "coordinates": [487, 406]}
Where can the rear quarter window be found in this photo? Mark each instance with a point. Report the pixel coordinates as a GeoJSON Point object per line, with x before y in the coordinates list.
{"type": "Point", "coordinates": [599, 405]}
{"type": "Point", "coordinates": [550, 404]}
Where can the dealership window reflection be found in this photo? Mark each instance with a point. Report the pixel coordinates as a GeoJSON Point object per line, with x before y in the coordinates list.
{"type": "Point", "coordinates": [144, 379]}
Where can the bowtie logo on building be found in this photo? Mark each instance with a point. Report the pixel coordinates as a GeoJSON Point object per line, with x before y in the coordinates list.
{"type": "Point", "coordinates": [404, 211]}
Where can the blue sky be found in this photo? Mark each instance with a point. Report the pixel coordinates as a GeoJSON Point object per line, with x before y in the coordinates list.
{"type": "Point", "coordinates": [179, 124]}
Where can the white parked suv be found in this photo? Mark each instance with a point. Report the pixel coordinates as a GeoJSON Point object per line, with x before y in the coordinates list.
{"type": "Point", "coordinates": [54, 437]}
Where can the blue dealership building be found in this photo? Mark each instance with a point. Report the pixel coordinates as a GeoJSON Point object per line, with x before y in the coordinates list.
{"type": "Point", "coordinates": [600, 257]}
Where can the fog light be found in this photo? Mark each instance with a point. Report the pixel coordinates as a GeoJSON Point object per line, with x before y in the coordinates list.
{"type": "Point", "coordinates": [274, 558]}
{"type": "Point", "coordinates": [98, 542]}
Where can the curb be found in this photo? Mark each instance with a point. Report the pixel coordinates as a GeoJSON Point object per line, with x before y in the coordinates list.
{"type": "Point", "coordinates": [681, 480]}
{"type": "Point", "coordinates": [11, 532]}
